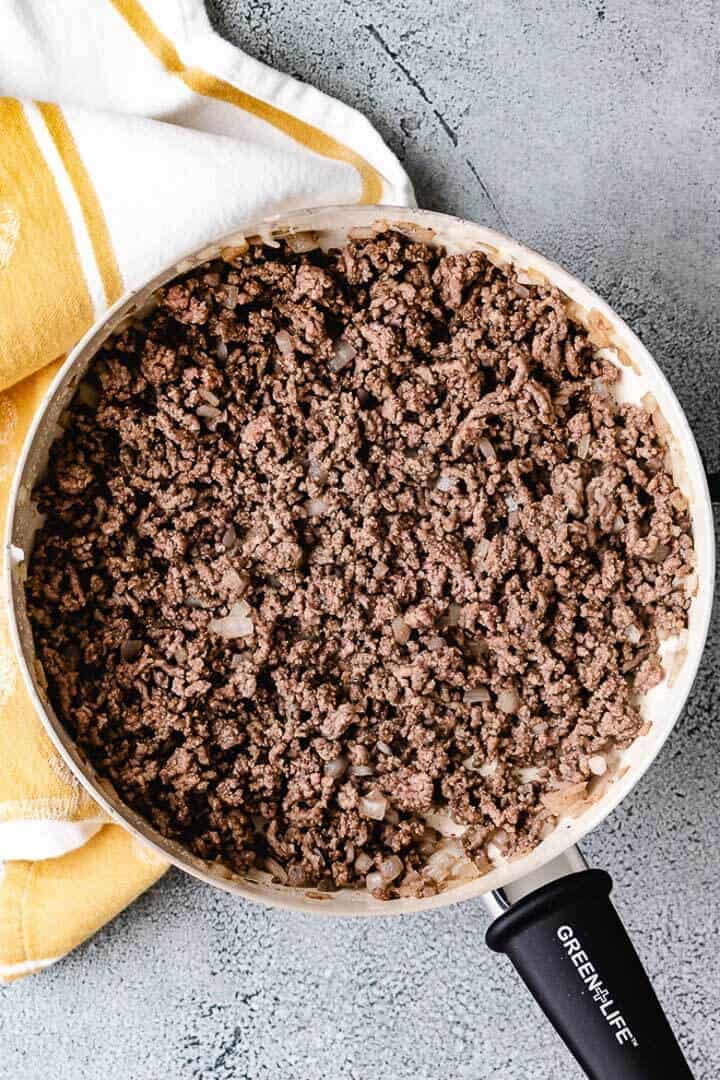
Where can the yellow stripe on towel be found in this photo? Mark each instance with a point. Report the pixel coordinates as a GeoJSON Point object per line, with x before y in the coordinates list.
{"type": "Point", "coordinates": [210, 86]}
{"type": "Point", "coordinates": [52, 905]}
{"type": "Point", "coordinates": [87, 197]}
{"type": "Point", "coordinates": [40, 271]}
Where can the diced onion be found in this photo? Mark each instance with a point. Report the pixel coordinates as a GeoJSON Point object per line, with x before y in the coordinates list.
{"type": "Point", "coordinates": [361, 770]}
{"type": "Point", "coordinates": [529, 773]}
{"type": "Point", "coordinates": [207, 395]}
{"type": "Point", "coordinates": [508, 701]}
{"type": "Point", "coordinates": [363, 863]}
{"type": "Point", "coordinates": [229, 538]}
{"type": "Point", "coordinates": [375, 881]}
{"type": "Point", "coordinates": [401, 630]}
{"type": "Point", "coordinates": [316, 471]}
{"type": "Point", "coordinates": [475, 694]}
{"type": "Point", "coordinates": [383, 747]}
{"type": "Point", "coordinates": [487, 449]}
{"type": "Point", "coordinates": [597, 764]}
{"type": "Point", "coordinates": [336, 767]}
{"type": "Point", "coordinates": [438, 866]}
{"type": "Point", "coordinates": [373, 806]}
{"type": "Point", "coordinates": [231, 627]}
{"type": "Point", "coordinates": [442, 863]}
{"type": "Point", "coordinates": [234, 625]}
{"type": "Point", "coordinates": [583, 446]}
{"type": "Point", "coordinates": [316, 507]}
{"type": "Point", "coordinates": [231, 296]}
{"type": "Point", "coordinates": [391, 867]}
{"type": "Point", "coordinates": [482, 547]}
{"type": "Point", "coordinates": [343, 354]}
{"type": "Point", "coordinates": [439, 823]}
{"type": "Point", "coordinates": [497, 845]}
{"type": "Point", "coordinates": [208, 412]}
{"type": "Point", "coordinates": [231, 581]}
{"type": "Point", "coordinates": [284, 342]}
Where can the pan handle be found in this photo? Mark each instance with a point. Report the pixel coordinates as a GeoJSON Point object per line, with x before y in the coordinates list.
{"type": "Point", "coordinates": [567, 943]}
{"type": "Point", "coordinates": [714, 485]}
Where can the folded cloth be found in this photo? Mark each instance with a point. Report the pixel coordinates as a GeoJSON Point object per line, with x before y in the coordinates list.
{"type": "Point", "coordinates": [129, 134]}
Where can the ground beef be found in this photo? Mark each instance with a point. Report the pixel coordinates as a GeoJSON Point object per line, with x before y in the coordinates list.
{"type": "Point", "coordinates": [336, 540]}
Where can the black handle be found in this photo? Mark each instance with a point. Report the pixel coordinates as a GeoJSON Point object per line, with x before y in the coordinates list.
{"type": "Point", "coordinates": [714, 485]}
{"type": "Point", "coordinates": [567, 942]}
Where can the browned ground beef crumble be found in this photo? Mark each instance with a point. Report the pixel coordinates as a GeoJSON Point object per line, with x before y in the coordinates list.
{"type": "Point", "coordinates": [335, 539]}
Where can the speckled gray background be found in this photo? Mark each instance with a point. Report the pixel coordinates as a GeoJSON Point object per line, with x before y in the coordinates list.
{"type": "Point", "coordinates": [590, 130]}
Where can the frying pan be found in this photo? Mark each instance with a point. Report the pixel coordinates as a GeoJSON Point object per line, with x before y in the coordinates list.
{"type": "Point", "coordinates": [554, 918]}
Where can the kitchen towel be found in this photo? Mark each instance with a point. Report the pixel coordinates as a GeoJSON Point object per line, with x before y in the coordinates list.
{"type": "Point", "coordinates": [129, 134]}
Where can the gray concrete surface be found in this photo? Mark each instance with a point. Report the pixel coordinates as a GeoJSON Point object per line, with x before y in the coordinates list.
{"type": "Point", "coordinates": [590, 130]}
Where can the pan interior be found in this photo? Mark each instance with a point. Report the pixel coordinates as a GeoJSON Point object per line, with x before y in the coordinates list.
{"type": "Point", "coordinates": [640, 377]}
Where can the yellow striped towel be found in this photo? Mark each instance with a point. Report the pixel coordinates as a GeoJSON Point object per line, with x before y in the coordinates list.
{"type": "Point", "coordinates": [166, 136]}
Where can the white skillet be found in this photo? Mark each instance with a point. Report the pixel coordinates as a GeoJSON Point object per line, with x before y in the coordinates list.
{"type": "Point", "coordinates": [515, 882]}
